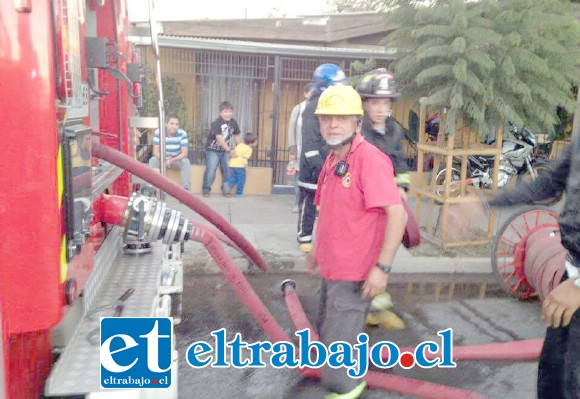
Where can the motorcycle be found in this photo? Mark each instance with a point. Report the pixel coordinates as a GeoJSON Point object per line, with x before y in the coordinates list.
{"type": "Point", "coordinates": [517, 161]}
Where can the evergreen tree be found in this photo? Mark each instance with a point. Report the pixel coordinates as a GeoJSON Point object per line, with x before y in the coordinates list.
{"type": "Point", "coordinates": [360, 68]}
{"type": "Point", "coordinates": [340, 6]}
{"type": "Point", "coordinates": [489, 59]}
{"type": "Point", "coordinates": [172, 101]}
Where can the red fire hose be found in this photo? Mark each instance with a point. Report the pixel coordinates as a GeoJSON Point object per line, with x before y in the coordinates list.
{"type": "Point", "coordinates": [267, 322]}
{"type": "Point", "coordinates": [110, 209]}
{"type": "Point", "coordinates": [516, 350]}
{"type": "Point", "coordinates": [412, 236]}
{"type": "Point", "coordinates": [528, 258]}
{"type": "Point", "coordinates": [523, 350]}
{"type": "Point", "coordinates": [529, 349]}
{"type": "Point", "coordinates": [240, 285]}
{"type": "Point", "coordinates": [237, 279]}
{"type": "Point", "coordinates": [388, 382]}
{"type": "Point", "coordinates": [153, 177]}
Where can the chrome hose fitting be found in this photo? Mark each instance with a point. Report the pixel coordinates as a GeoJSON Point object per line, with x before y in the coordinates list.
{"type": "Point", "coordinates": [146, 220]}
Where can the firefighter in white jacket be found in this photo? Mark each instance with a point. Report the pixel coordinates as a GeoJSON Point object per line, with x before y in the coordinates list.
{"type": "Point", "coordinates": [295, 138]}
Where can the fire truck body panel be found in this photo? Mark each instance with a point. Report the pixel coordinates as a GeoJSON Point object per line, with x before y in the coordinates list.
{"type": "Point", "coordinates": [53, 101]}
{"type": "Point", "coordinates": [113, 116]}
{"type": "Point", "coordinates": [30, 199]}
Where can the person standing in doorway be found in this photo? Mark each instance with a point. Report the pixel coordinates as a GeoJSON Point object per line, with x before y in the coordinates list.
{"type": "Point", "coordinates": [295, 138]}
{"type": "Point", "coordinates": [223, 136]}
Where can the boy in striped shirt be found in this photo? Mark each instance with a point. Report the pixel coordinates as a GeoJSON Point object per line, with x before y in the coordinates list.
{"type": "Point", "coordinates": [175, 150]}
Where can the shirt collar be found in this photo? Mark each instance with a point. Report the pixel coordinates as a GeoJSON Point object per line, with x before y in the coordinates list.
{"type": "Point", "coordinates": [358, 138]}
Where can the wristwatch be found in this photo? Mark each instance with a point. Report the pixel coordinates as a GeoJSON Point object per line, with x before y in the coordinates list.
{"type": "Point", "coordinates": [384, 268]}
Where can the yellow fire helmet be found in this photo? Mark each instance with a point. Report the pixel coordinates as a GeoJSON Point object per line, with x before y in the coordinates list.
{"type": "Point", "coordinates": [339, 100]}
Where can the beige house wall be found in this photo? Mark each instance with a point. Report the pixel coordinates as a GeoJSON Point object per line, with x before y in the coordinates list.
{"type": "Point", "coordinates": [258, 180]}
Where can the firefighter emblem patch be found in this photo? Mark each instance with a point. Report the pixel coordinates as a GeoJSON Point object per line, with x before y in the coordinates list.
{"type": "Point", "coordinates": [347, 180]}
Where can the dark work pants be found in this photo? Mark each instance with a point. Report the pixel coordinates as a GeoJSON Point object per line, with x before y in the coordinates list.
{"type": "Point", "coordinates": [342, 317]}
{"type": "Point", "coordinates": [559, 368]}
{"type": "Point", "coordinates": [306, 215]}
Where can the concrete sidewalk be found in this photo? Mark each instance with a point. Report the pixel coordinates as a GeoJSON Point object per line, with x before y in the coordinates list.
{"type": "Point", "coordinates": [269, 224]}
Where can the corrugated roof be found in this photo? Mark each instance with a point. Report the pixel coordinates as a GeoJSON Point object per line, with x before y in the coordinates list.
{"type": "Point", "coordinates": [314, 29]}
{"type": "Point", "coordinates": [239, 46]}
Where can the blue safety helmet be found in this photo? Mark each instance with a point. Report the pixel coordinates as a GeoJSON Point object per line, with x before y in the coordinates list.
{"type": "Point", "coordinates": [326, 75]}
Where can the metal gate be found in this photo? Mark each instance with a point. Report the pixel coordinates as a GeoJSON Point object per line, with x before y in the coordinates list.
{"type": "Point", "coordinates": [262, 88]}
{"type": "Point", "coordinates": [236, 78]}
{"type": "Point", "coordinates": [294, 74]}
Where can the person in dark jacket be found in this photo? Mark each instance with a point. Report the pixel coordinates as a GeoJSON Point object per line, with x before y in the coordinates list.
{"type": "Point", "coordinates": [378, 91]}
{"type": "Point", "coordinates": [313, 153]}
{"type": "Point", "coordinates": [559, 366]}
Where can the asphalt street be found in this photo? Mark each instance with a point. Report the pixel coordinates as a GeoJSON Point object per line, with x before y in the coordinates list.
{"type": "Point", "coordinates": [473, 306]}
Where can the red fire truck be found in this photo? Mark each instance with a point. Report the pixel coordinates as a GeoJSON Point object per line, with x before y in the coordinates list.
{"type": "Point", "coordinates": [68, 75]}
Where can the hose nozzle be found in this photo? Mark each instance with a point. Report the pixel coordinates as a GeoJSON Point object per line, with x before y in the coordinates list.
{"type": "Point", "coordinates": [286, 283]}
{"type": "Point", "coordinates": [147, 219]}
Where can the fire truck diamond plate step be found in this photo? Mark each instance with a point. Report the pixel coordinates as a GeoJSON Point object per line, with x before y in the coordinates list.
{"type": "Point", "coordinates": [77, 371]}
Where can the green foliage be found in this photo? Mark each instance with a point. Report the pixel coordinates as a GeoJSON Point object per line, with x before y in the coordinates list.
{"type": "Point", "coordinates": [488, 60]}
{"type": "Point", "coordinates": [360, 68]}
{"type": "Point", "coordinates": [564, 130]}
{"type": "Point", "coordinates": [172, 101]}
{"type": "Point", "coordinates": [340, 6]}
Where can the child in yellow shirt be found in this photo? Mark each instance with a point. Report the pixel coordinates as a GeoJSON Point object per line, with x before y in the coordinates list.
{"type": "Point", "coordinates": [238, 163]}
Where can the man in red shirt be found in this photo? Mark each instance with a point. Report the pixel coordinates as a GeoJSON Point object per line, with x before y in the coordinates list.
{"type": "Point", "coordinates": [361, 222]}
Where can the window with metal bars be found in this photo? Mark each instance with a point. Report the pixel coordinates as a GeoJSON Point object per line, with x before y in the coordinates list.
{"type": "Point", "coordinates": [231, 65]}
{"type": "Point", "coordinates": [236, 78]}
{"type": "Point", "coordinates": [301, 69]}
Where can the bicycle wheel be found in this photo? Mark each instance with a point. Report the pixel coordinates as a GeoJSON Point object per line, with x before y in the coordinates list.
{"type": "Point", "coordinates": [455, 179]}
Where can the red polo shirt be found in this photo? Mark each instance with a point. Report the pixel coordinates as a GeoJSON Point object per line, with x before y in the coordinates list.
{"type": "Point", "coordinates": [351, 218]}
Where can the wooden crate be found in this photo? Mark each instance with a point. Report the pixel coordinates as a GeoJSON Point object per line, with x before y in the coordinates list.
{"type": "Point", "coordinates": [446, 149]}
{"type": "Point", "coordinates": [558, 148]}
